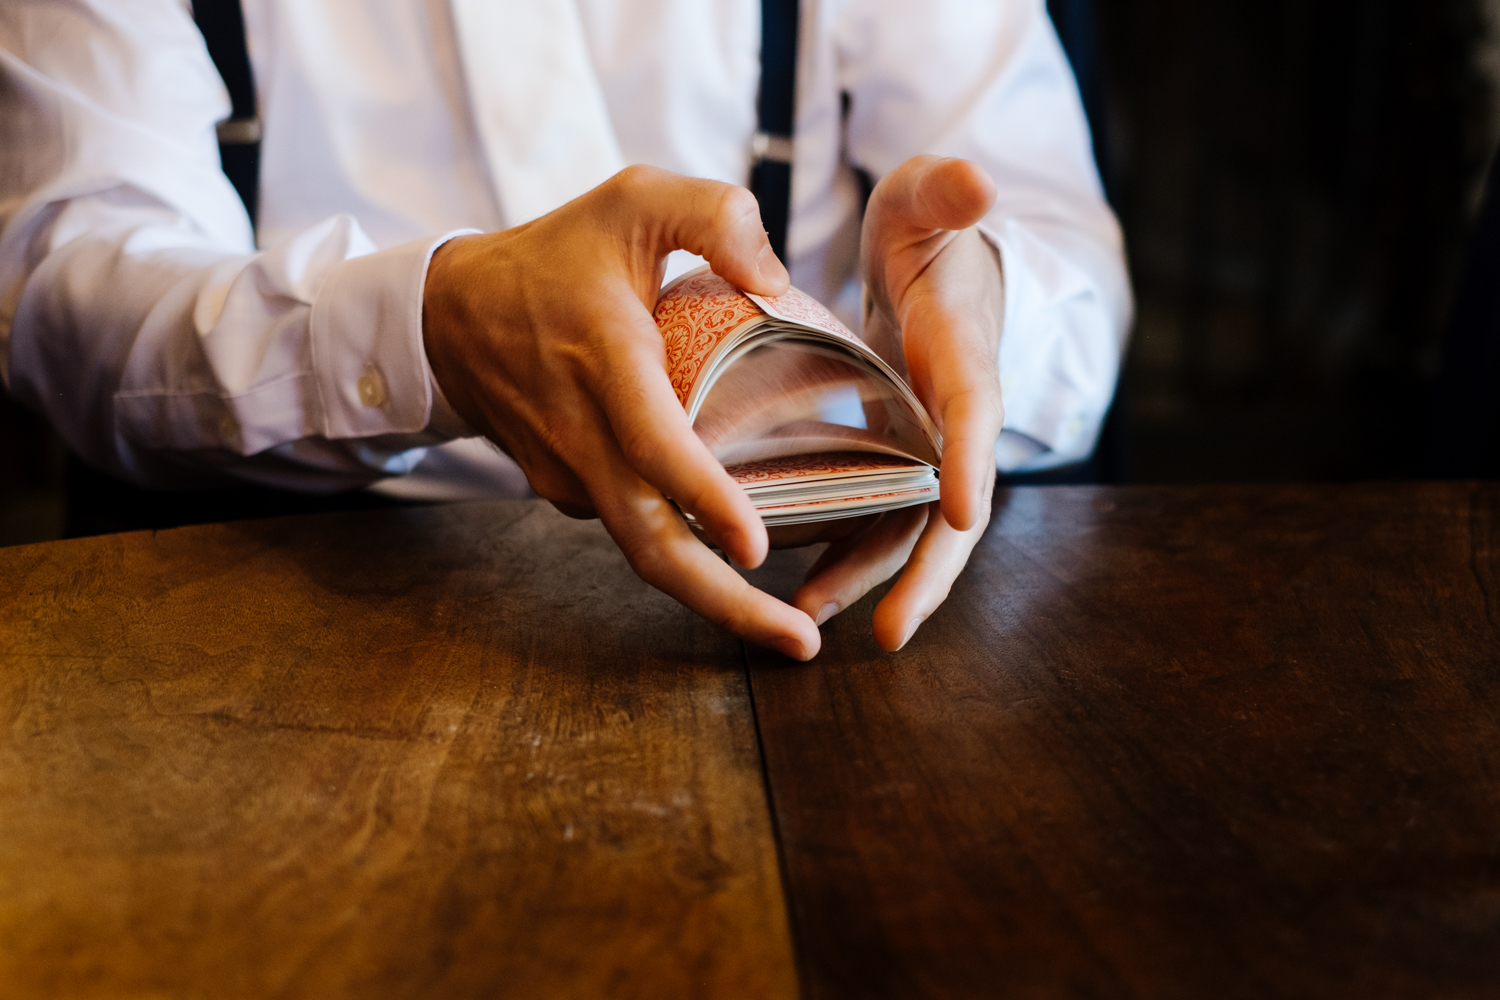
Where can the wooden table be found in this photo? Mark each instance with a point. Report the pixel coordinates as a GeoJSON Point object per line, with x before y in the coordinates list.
{"type": "Point", "coordinates": [1160, 742]}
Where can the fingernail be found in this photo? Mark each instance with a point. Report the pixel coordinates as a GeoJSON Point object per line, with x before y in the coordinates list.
{"type": "Point", "coordinates": [826, 612]}
{"type": "Point", "coordinates": [791, 647]}
{"type": "Point", "coordinates": [770, 268]}
{"type": "Point", "coordinates": [911, 630]}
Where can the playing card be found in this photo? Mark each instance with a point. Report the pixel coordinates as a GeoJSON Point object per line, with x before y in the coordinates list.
{"type": "Point", "coordinates": [812, 425]}
{"type": "Point", "coordinates": [696, 314]}
{"type": "Point", "coordinates": [796, 306]}
{"type": "Point", "coordinates": [794, 468]}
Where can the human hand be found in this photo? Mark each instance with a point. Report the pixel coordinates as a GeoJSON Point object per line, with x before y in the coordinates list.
{"type": "Point", "coordinates": [541, 337]}
{"type": "Point", "coordinates": [935, 300]}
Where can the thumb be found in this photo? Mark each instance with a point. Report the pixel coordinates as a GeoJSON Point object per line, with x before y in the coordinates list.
{"type": "Point", "coordinates": [719, 222]}
{"type": "Point", "coordinates": [928, 193]}
{"type": "Point", "coordinates": [912, 215]}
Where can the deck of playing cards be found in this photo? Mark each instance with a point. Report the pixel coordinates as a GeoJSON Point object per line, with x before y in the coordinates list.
{"type": "Point", "coordinates": [803, 414]}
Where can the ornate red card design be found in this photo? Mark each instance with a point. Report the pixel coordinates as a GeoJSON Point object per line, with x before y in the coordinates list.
{"type": "Point", "coordinates": [792, 467]}
{"type": "Point", "coordinates": [796, 306]}
{"type": "Point", "coordinates": [695, 315]}
{"type": "Point", "coordinates": [708, 327]}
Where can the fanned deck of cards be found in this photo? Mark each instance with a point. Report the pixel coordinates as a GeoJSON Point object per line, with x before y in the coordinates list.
{"type": "Point", "coordinates": [802, 413]}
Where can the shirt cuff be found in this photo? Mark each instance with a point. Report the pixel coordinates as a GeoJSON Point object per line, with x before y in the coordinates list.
{"type": "Point", "coordinates": [1058, 351]}
{"type": "Point", "coordinates": [1014, 450]}
{"type": "Point", "coordinates": [369, 364]}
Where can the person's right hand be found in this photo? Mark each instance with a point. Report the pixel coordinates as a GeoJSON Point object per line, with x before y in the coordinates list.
{"type": "Point", "coordinates": [541, 337]}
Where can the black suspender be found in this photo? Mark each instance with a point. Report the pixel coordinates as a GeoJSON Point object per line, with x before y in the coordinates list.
{"type": "Point", "coordinates": [771, 168]}
{"type": "Point", "coordinates": [223, 28]}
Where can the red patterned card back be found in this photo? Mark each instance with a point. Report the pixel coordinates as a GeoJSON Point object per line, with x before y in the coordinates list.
{"type": "Point", "coordinates": [796, 306]}
{"type": "Point", "coordinates": [793, 467]}
{"type": "Point", "coordinates": [695, 314]}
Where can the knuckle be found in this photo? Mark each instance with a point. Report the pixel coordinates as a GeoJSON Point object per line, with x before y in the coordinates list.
{"type": "Point", "coordinates": [980, 404]}
{"type": "Point", "coordinates": [702, 496]}
{"type": "Point", "coordinates": [556, 488]}
{"type": "Point", "coordinates": [576, 511]}
{"type": "Point", "coordinates": [734, 206]}
{"type": "Point", "coordinates": [731, 616]}
{"type": "Point", "coordinates": [553, 493]}
{"type": "Point", "coordinates": [639, 445]}
{"type": "Point", "coordinates": [732, 622]}
{"type": "Point", "coordinates": [647, 561]}
{"type": "Point", "coordinates": [989, 406]}
{"type": "Point", "coordinates": [633, 181]}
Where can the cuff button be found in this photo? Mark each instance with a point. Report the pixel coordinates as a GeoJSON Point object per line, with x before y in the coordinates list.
{"type": "Point", "coordinates": [371, 388]}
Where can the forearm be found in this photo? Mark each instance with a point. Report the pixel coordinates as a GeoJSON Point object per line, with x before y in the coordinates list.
{"type": "Point", "coordinates": [134, 310]}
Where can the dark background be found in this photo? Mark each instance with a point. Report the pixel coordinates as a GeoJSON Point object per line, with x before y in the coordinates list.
{"type": "Point", "coordinates": [1297, 180]}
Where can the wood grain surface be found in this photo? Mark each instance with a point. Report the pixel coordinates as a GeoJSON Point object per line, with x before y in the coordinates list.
{"type": "Point", "coordinates": [1188, 742]}
{"type": "Point", "coordinates": [449, 752]}
{"type": "Point", "coordinates": [1177, 742]}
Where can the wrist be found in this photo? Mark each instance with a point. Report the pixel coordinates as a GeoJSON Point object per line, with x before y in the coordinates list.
{"type": "Point", "coordinates": [445, 317]}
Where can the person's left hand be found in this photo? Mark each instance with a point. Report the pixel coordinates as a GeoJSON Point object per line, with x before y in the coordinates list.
{"type": "Point", "coordinates": [935, 300]}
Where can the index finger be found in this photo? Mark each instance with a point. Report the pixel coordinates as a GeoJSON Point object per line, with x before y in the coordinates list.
{"type": "Point", "coordinates": [657, 441]}
{"type": "Point", "coordinates": [664, 552]}
{"type": "Point", "coordinates": [940, 555]}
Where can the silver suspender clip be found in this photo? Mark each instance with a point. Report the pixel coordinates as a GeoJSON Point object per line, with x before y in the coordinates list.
{"type": "Point", "coordinates": [775, 148]}
{"type": "Point", "coordinates": [238, 131]}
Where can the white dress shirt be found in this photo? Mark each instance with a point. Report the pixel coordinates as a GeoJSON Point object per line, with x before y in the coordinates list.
{"type": "Point", "coordinates": [139, 315]}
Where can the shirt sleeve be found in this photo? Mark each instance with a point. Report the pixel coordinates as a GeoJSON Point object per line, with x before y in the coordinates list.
{"type": "Point", "coordinates": [135, 311]}
{"type": "Point", "coordinates": [988, 81]}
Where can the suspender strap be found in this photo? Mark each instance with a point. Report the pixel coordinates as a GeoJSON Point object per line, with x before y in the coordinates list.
{"type": "Point", "coordinates": [223, 26]}
{"type": "Point", "coordinates": [771, 167]}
